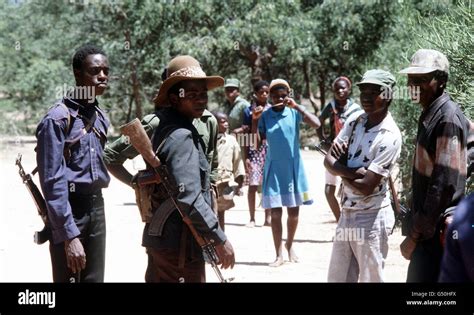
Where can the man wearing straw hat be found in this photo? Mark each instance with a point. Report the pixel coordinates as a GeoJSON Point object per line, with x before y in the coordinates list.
{"type": "Point", "coordinates": [173, 254]}
{"type": "Point", "coordinates": [116, 153]}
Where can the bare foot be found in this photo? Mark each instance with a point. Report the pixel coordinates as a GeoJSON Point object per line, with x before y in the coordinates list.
{"type": "Point", "coordinates": [251, 224]}
{"type": "Point", "coordinates": [292, 255]}
{"type": "Point", "coordinates": [267, 223]}
{"type": "Point", "coordinates": [278, 262]}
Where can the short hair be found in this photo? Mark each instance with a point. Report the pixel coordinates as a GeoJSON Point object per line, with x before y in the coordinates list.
{"type": "Point", "coordinates": [441, 76]}
{"type": "Point", "coordinates": [81, 54]}
{"type": "Point", "coordinates": [259, 84]}
{"type": "Point", "coordinates": [220, 115]}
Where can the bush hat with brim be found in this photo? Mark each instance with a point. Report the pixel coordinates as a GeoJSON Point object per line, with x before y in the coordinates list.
{"type": "Point", "coordinates": [184, 68]}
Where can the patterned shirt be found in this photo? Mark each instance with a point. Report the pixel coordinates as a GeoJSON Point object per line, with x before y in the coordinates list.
{"type": "Point", "coordinates": [439, 170]}
{"type": "Point", "coordinates": [377, 149]}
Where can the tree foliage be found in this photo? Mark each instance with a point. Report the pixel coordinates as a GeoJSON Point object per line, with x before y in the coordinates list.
{"type": "Point", "coordinates": [307, 42]}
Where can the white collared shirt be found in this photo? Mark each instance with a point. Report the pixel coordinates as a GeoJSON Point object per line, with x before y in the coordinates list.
{"type": "Point", "coordinates": [376, 149]}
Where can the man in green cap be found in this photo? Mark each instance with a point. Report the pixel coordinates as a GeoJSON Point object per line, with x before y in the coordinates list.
{"type": "Point", "coordinates": [439, 170]}
{"type": "Point", "coordinates": [363, 154]}
{"type": "Point", "coordinates": [235, 106]}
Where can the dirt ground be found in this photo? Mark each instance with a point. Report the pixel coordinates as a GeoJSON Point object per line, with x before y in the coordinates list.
{"type": "Point", "coordinates": [23, 261]}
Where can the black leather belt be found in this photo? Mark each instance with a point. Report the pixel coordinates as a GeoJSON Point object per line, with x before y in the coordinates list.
{"type": "Point", "coordinates": [85, 203]}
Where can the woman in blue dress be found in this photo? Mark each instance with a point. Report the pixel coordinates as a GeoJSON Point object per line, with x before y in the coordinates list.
{"type": "Point", "coordinates": [284, 179]}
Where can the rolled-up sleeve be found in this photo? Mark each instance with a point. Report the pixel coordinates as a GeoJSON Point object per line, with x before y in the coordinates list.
{"type": "Point", "coordinates": [183, 162]}
{"type": "Point", "coordinates": [52, 174]}
{"type": "Point", "coordinates": [386, 156]}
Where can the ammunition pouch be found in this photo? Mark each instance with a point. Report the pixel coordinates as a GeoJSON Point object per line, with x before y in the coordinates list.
{"type": "Point", "coordinates": [143, 198]}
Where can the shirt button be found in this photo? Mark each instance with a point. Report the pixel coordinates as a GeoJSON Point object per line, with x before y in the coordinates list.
{"type": "Point", "coordinates": [92, 150]}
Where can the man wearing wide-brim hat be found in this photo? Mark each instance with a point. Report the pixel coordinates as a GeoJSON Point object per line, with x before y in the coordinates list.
{"type": "Point", "coordinates": [439, 170]}
{"type": "Point", "coordinates": [173, 253]}
{"type": "Point", "coordinates": [117, 152]}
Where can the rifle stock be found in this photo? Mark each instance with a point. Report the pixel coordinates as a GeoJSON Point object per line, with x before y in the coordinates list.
{"type": "Point", "coordinates": [42, 236]}
{"type": "Point", "coordinates": [139, 139]}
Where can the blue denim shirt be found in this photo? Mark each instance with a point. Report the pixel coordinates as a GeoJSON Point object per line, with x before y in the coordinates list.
{"type": "Point", "coordinates": [83, 173]}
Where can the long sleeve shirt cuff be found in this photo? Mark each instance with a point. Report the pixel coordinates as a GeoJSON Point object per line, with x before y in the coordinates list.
{"type": "Point", "coordinates": [68, 232]}
{"type": "Point", "coordinates": [217, 237]}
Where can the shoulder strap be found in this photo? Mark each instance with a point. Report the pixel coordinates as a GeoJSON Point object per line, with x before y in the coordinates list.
{"type": "Point", "coordinates": [68, 126]}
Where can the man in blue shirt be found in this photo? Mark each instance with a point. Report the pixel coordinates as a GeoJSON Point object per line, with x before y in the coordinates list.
{"type": "Point", "coordinates": [71, 138]}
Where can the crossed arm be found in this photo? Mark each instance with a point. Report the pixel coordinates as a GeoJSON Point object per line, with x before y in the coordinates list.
{"type": "Point", "coordinates": [360, 179]}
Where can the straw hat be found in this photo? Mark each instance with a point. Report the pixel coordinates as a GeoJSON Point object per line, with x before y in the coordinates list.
{"type": "Point", "coordinates": [183, 68]}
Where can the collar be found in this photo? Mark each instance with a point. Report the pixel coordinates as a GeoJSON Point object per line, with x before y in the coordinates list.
{"type": "Point", "coordinates": [222, 136]}
{"type": "Point", "coordinates": [349, 103]}
{"type": "Point", "coordinates": [429, 113]}
{"type": "Point", "coordinates": [206, 113]}
{"type": "Point", "coordinates": [285, 112]}
{"type": "Point", "coordinates": [237, 99]}
{"type": "Point", "coordinates": [386, 124]}
{"type": "Point", "coordinates": [75, 107]}
{"type": "Point", "coordinates": [170, 114]}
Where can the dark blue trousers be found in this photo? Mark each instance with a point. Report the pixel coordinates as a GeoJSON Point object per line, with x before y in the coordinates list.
{"type": "Point", "coordinates": [89, 216]}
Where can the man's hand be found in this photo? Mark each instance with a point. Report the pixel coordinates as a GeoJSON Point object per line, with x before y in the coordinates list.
{"type": "Point", "coordinates": [407, 247]}
{"type": "Point", "coordinates": [225, 252]}
{"type": "Point", "coordinates": [75, 255]}
{"type": "Point", "coordinates": [338, 149]}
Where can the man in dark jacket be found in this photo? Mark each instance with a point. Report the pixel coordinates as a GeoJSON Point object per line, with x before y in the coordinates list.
{"type": "Point", "coordinates": [173, 253]}
{"type": "Point", "coordinates": [439, 170]}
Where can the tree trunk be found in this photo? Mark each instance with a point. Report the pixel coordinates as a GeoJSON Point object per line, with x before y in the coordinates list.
{"type": "Point", "coordinates": [129, 111]}
{"type": "Point", "coordinates": [136, 87]}
{"type": "Point", "coordinates": [136, 92]}
{"type": "Point", "coordinates": [258, 62]}
{"type": "Point", "coordinates": [322, 88]}
{"type": "Point", "coordinates": [306, 69]}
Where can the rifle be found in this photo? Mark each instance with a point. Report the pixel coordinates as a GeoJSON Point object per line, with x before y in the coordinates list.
{"type": "Point", "coordinates": [320, 149]}
{"type": "Point", "coordinates": [139, 139]}
{"type": "Point", "coordinates": [42, 236]}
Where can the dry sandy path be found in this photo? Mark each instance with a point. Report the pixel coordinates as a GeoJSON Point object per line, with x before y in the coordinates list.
{"type": "Point", "coordinates": [23, 261]}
